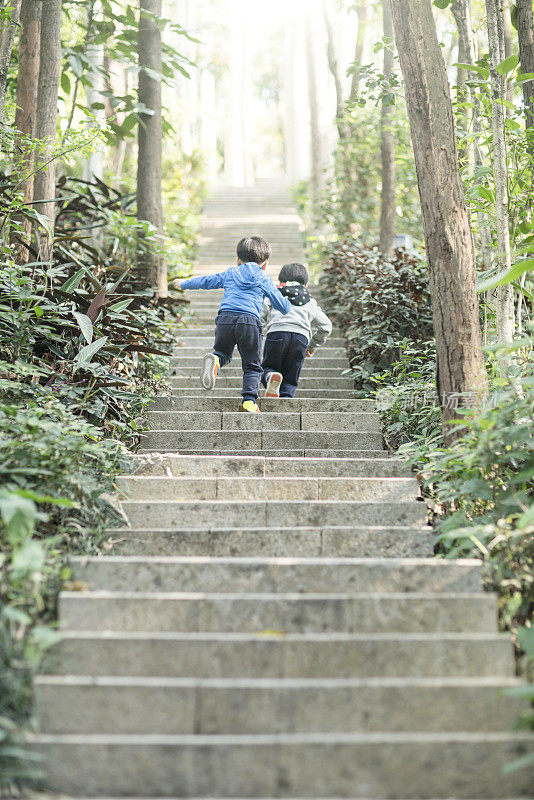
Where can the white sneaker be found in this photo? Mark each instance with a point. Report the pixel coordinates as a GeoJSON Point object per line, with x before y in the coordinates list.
{"type": "Point", "coordinates": [273, 385]}
{"type": "Point", "coordinates": [210, 369]}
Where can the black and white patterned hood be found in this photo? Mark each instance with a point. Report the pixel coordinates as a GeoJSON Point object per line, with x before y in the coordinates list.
{"type": "Point", "coordinates": [296, 293]}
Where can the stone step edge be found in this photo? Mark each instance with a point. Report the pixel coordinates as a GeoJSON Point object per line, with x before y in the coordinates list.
{"type": "Point", "coordinates": [147, 740]}
{"type": "Point", "coordinates": [282, 683]}
{"type": "Point", "coordinates": [104, 594]}
{"type": "Point", "coordinates": [387, 563]}
{"type": "Point", "coordinates": [237, 637]}
{"type": "Point", "coordinates": [423, 530]}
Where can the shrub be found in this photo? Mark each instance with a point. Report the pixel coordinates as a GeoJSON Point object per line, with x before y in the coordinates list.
{"type": "Point", "coordinates": [377, 302]}
{"type": "Point", "coordinates": [55, 469]}
{"type": "Point", "coordinates": [406, 396]}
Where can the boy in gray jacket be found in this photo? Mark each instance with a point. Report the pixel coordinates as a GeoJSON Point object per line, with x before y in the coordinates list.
{"type": "Point", "coordinates": [293, 336]}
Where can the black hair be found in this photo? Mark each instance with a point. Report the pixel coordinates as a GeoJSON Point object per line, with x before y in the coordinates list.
{"type": "Point", "coordinates": [253, 248]}
{"type": "Point", "coordinates": [291, 273]}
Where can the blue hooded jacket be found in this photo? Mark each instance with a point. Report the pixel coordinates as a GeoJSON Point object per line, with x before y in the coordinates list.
{"type": "Point", "coordinates": [245, 288]}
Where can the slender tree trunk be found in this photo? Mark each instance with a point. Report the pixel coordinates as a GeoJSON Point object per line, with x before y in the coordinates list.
{"type": "Point", "coordinates": [361, 11]}
{"type": "Point", "coordinates": [149, 207]}
{"type": "Point", "coordinates": [462, 14]}
{"type": "Point", "coordinates": [507, 33]}
{"type": "Point", "coordinates": [461, 375]}
{"type": "Point", "coordinates": [44, 190]}
{"type": "Point", "coordinates": [313, 103]}
{"type": "Point", "coordinates": [503, 296]}
{"type": "Point", "coordinates": [387, 146]}
{"type": "Point", "coordinates": [333, 65]}
{"type": "Point", "coordinates": [7, 37]}
{"type": "Point", "coordinates": [94, 166]}
{"type": "Point", "coordinates": [525, 33]}
{"type": "Point", "coordinates": [25, 115]}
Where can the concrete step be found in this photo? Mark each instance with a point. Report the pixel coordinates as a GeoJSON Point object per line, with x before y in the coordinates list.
{"type": "Point", "coordinates": [289, 454]}
{"type": "Point", "coordinates": [374, 576]}
{"type": "Point", "coordinates": [260, 439]}
{"type": "Point", "coordinates": [416, 612]}
{"type": "Point", "coordinates": [276, 655]}
{"type": "Point", "coordinates": [234, 420]}
{"type": "Point", "coordinates": [236, 382]}
{"type": "Point", "coordinates": [141, 705]}
{"type": "Point", "coordinates": [191, 356]}
{"type": "Point", "coordinates": [306, 765]}
{"type": "Point", "coordinates": [370, 542]}
{"type": "Point", "coordinates": [234, 370]}
{"type": "Point", "coordinates": [279, 488]}
{"type": "Point", "coordinates": [212, 402]}
{"type": "Point", "coordinates": [206, 335]}
{"type": "Point", "coordinates": [248, 467]}
{"type": "Point", "coordinates": [194, 390]}
{"type": "Point", "coordinates": [187, 362]}
{"type": "Point", "coordinates": [272, 514]}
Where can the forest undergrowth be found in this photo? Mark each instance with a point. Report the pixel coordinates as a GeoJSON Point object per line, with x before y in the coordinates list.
{"type": "Point", "coordinates": [84, 345]}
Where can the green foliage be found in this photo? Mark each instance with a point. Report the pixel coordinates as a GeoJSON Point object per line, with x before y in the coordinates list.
{"type": "Point", "coordinates": [406, 396]}
{"type": "Point", "coordinates": [378, 302]}
{"type": "Point", "coordinates": [87, 326]}
{"type": "Point", "coordinates": [42, 444]}
{"type": "Point", "coordinates": [116, 29]}
{"type": "Point", "coordinates": [481, 488]}
{"type": "Point", "coordinates": [82, 346]}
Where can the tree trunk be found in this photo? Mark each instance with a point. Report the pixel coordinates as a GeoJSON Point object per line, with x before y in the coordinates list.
{"type": "Point", "coordinates": [462, 15]}
{"type": "Point", "coordinates": [503, 297]}
{"type": "Point", "coordinates": [25, 115]}
{"type": "Point", "coordinates": [525, 33]}
{"type": "Point", "coordinates": [361, 11]}
{"type": "Point", "coordinates": [149, 207]}
{"type": "Point", "coordinates": [44, 190]}
{"type": "Point", "coordinates": [94, 166]}
{"type": "Point", "coordinates": [333, 65]}
{"type": "Point", "coordinates": [7, 37]}
{"type": "Point", "coordinates": [313, 104]}
{"type": "Point", "coordinates": [461, 375]}
{"type": "Point", "coordinates": [387, 146]}
{"type": "Point", "coordinates": [507, 33]}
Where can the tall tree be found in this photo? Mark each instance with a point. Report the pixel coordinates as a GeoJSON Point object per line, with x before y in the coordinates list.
{"type": "Point", "coordinates": [46, 119]}
{"type": "Point", "coordinates": [149, 206]}
{"type": "Point", "coordinates": [361, 12]}
{"type": "Point", "coordinates": [94, 53]}
{"type": "Point", "coordinates": [7, 37]}
{"type": "Point", "coordinates": [503, 296]}
{"type": "Point", "coordinates": [449, 244]}
{"type": "Point", "coordinates": [461, 10]}
{"type": "Point", "coordinates": [313, 103]}
{"type": "Point", "coordinates": [25, 115]}
{"type": "Point", "coordinates": [333, 65]}
{"type": "Point", "coordinates": [387, 144]}
{"type": "Point", "coordinates": [525, 33]}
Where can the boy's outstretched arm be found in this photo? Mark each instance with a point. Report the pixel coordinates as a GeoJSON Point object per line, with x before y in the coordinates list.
{"type": "Point", "coordinates": [277, 299]}
{"type": "Point", "coordinates": [322, 329]}
{"type": "Point", "coordinates": [204, 282]}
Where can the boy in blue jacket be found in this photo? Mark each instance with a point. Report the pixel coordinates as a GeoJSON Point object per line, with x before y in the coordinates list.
{"type": "Point", "coordinates": [238, 320]}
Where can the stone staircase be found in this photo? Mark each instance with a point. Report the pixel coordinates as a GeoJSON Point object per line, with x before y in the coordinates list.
{"type": "Point", "coordinates": [264, 209]}
{"type": "Point", "coordinates": [272, 622]}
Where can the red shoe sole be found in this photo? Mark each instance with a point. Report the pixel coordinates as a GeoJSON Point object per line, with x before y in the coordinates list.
{"type": "Point", "coordinates": [273, 385]}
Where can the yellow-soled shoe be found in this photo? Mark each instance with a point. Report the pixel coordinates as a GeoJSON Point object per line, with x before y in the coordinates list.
{"type": "Point", "coordinates": [250, 406]}
{"type": "Point", "coordinates": [210, 369]}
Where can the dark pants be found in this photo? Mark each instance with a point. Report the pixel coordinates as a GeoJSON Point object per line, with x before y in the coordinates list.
{"type": "Point", "coordinates": [284, 352]}
{"type": "Point", "coordinates": [243, 331]}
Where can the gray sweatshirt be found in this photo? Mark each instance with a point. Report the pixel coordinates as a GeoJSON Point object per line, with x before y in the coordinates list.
{"type": "Point", "coordinates": [309, 320]}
